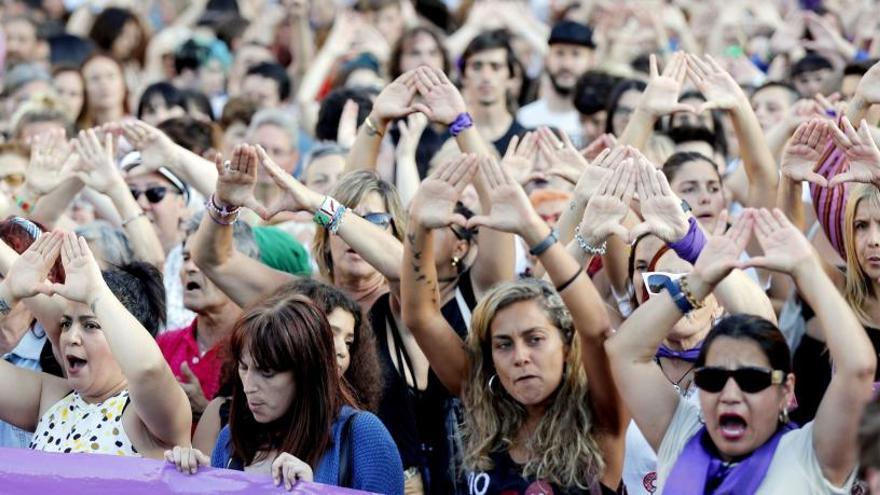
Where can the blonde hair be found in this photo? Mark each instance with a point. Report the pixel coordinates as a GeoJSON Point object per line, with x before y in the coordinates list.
{"type": "Point", "coordinates": [858, 284]}
{"type": "Point", "coordinates": [350, 191]}
{"type": "Point", "coordinates": [564, 448]}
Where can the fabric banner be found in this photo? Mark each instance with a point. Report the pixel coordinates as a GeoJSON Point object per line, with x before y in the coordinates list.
{"type": "Point", "coordinates": [28, 472]}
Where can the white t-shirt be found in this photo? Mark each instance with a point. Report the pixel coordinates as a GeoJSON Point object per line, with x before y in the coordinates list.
{"type": "Point", "coordinates": [537, 113]}
{"type": "Point", "coordinates": [640, 462]}
{"type": "Point", "coordinates": [794, 468]}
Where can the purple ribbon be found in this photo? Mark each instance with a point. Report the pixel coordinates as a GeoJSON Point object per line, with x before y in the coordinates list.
{"type": "Point", "coordinates": [691, 245]}
{"type": "Point", "coordinates": [699, 464]}
{"type": "Point", "coordinates": [462, 122]}
{"type": "Point", "coordinates": [689, 355]}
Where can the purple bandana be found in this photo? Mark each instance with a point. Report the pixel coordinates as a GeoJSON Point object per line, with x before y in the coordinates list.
{"type": "Point", "coordinates": [689, 355]}
{"type": "Point", "coordinates": [699, 470]}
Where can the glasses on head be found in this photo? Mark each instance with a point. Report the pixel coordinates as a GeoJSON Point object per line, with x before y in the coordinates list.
{"type": "Point", "coordinates": [380, 219]}
{"type": "Point", "coordinates": [749, 379]}
{"type": "Point", "coordinates": [154, 194]}
{"type": "Point", "coordinates": [13, 180]}
{"type": "Point", "coordinates": [655, 282]}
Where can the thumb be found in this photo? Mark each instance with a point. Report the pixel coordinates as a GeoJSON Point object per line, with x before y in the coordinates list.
{"type": "Point", "coordinates": [478, 221]}
{"type": "Point", "coordinates": [261, 210]}
{"type": "Point", "coordinates": [755, 262]}
{"type": "Point", "coordinates": [458, 219]}
{"type": "Point", "coordinates": [709, 105]}
{"type": "Point", "coordinates": [817, 179]}
{"type": "Point", "coordinates": [187, 372]}
{"type": "Point", "coordinates": [45, 288]}
{"type": "Point", "coordinates": [840, 179]}
{"type": "Point", "coordinates": [620, 231]}
{"type": "Point", "coordinates": [202, 458]}
{"type": "Point", "coordinates": [638, 231]}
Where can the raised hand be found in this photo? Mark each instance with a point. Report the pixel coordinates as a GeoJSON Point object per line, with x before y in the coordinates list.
{"type": "Point", "coordinates": [236, 178]}
{"type": "Point", "coordinates": [97, 165]}
{"type": "Point", "coordinates": [600, 144]}
{"type": "Point", "coordinates": [786, 250]}
{"type": "Point", "coordinates": [519, 159]}
{"type": "Point", "coordinates": [346, 131]}
{"type": "Point", "coordinates": [157, 149]}
{"type": "Point", "coordinates": [803, 151]}
{"type": "Point", "coordinates": [434, 202]}
{"type": "Point", "coordinates": [661, 208]}
{"type": "Point", "coordinates": [560, 153]}
{"type": "Point", "coordinates": [83, 281]}
{"type": "Point", "coordinates": [295, 196]}
{"type": "Point", "coordinates": [187, 460]}
{"type": "Point", "coordinates": [661, 96]}
{"type": "Point", "coordinates": [511, 209]}
{"type": "Point", "coordinates": [869, 85]}
{"type": "Point", "coordinates": [720, 89]}
{"type": "Point", "coordinates": [609, 206]}
{"type": "Point", "coordinates": [27, 275]}
{"type": "Point", "coordinates": [443, 102]}
{"type": "Point", "coordinates": [396, 99]}
{"type": "Point", "coordinates": [288, 469]}
{"type": "Point", "coordinates": [721, 253]}
{"type": "Point", "coordinates": [51, 158]}
{"type": "Point", "coordinates": [410, 133]}
{"type": "Point", "coordinates": [862, 152]}
{"type": "Point", "coordinates": [592, 175]}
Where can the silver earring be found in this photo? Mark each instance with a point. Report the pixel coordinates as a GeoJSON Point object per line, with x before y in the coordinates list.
{"type": "Point", "coordinates": [491, 381]}
{"type": "Point", "coordinates": [783, 416]}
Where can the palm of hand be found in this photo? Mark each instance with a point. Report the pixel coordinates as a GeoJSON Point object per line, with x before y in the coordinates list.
{"type": "Point", "coordinates": [785, 249]}
{"type": "Point", "coordinates": [436, 201]}
{"type": "Point", "coordinates": [661, 95]}
{"type": "Point", "coordinates": [590, 180]}
{"type": "Point", "coordinates": [570, 157]}
{"type": "Point", "coordinates": [716, 258]}
{"type": "Point", "coordinates": [155, 151]}
{"type": "Point", "coordinates": [507, 212]}
{"type": "Point", "coordinates": [864, 163]}
{"type": "Point", "coordinates": [665, 218]}
{"type": "Point", "coordinates": [394, 100]}
{"type": "Point", "coordinates": [603, 213]}
{"type": "Point", "coordinates": [519, 168]}
{"type": "Point", "coordinates": [44, 175]}
{"type": "Point", "coordinates": [721, 89]}
{"type": "Point", "coordinates": [25, 273]}
{"type": "Point", "coordinates": [799, 160]}
{"type": "Point", "coordinates": [445, 103]}
{"type": "Point", "coordinates": [79, 281]}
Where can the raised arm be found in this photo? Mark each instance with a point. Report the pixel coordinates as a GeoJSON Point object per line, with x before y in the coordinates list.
{"type": "Point", "coordinates": [645, 389]}
{"type": "Point", "coordinates": [837, 419]}
{"type": "Point", "coordinates": [240, 277]}
{"type": "Point", "coordinates": [377, 246]}
{"type": "Point", "coordinates": [722, 92]}
{"type": "Point", "coordinates": [97, 169]}
{"type": "Point", "coordinates": [48, 188]}
{"type": "Point", "coordinates": [21, 389]}
{"type": "Point", "coordinates": [158, 150]}
{"type": "Point", "coordinates": [512, 212]}
{"type": "Point", "coordinates": [867, 94]}
{"type": "Point", "coordinates": [159, 401]}
{"type": "Point", "coordinates": [432, 208]}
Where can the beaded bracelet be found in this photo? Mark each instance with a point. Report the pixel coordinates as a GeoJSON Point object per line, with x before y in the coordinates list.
{"type": "Point", "coordinates": [689, 295]}
{"type": "Point", "coordinates": [593, 251]}
{"type": "Point", "coordinates": [221, 216]}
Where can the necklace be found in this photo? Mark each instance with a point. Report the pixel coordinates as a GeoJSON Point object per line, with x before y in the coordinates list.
{"type": "Point", "coordinates": [676, 384]}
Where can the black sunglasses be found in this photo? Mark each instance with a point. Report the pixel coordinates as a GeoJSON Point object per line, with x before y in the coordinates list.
{"type": "Point", "coordinates": [750, 379]}
{"type": "Point", "coordinates": [379, 218]}
{"type": "Point", "coordinates": [154, 194]}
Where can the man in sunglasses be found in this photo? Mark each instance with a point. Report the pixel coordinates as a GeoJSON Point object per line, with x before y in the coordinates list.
{"type": "Point", "coordinates": [164, 197]}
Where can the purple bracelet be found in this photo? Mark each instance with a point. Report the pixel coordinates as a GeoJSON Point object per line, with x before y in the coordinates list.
{"type": "Point", "coordinates": [689, 247]}
{"type": "Point", "coordinates": [462, 122]}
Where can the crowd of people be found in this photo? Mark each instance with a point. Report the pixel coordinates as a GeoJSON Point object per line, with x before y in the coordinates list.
{"type": "Point", "coordinates": [482, 247]}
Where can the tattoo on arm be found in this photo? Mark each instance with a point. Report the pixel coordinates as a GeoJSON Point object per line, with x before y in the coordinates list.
{"type": "Point", "coordinates": [417, 267]}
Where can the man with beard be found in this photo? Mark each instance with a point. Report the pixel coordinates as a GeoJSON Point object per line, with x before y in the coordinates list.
{"type": "Point", "coordinates": [569, 56]}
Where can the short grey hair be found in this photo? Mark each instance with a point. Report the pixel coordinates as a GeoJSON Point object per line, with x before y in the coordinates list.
{"type": "Point", "coordinates": [22, 74]}
{"type": "Point", "coordinates": [278, 118]}
{"type": "Point", "coordinates": [242, 235]}
{"type": "Point", "coordinates": [113, 241]}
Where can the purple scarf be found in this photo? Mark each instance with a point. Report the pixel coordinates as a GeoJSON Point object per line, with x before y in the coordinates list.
{"type": "Point", "coordinates": [699, 466]}
{"type": "Point", "coordinates": [689, 355]}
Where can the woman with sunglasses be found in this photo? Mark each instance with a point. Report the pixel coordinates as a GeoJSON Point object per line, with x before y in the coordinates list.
{"type": "Point", "coordinates": [739, 439]}
{"type": "Point", "coordinates": [531, 421]}
{"type": "Point", "coordinates": [652, 263]}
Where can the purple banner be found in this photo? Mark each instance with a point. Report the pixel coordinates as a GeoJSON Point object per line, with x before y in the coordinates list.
{"type": "Point", "coordinates": [29, 472]}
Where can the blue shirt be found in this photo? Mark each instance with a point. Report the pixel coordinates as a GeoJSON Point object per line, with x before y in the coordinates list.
{"type": "Point", "coordinates": [376, 465]}
{"type": "Point", "coordinates": [25, 355]}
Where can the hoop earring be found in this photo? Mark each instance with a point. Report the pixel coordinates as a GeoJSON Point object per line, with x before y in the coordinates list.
{"type": "Point", "coordinates": [783, 416]}
{"type": "Point", "coordinates": [491, 381]}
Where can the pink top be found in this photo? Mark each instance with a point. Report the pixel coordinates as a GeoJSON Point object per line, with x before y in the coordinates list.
{"type": "Point", "coordinates": [179, 346]}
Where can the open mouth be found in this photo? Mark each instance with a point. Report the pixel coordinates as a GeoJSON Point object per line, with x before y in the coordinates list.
{"type": "Point", "coordinates": [193, 286]}
{"type": "Point", "coordinates": [75, 363]}
{"type": "Point", "coordinates": [732, 426]}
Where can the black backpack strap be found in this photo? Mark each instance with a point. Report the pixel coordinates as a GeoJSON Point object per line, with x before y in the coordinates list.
{"type": "Point", "coordinates": [346, 453]}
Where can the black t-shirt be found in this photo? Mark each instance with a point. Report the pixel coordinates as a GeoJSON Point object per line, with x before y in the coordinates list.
{"type": "Point", "coordinates": [506, 479]}
{"type": "Point", "coordinates": [452, 311]}
{"type": "Point", "coordinates": [429, 144]}
{"type": "Point", "coordinates": [516, 129]}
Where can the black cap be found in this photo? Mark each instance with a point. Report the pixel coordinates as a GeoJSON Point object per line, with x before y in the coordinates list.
{"type": "Point", "coordinates": [572, 33]}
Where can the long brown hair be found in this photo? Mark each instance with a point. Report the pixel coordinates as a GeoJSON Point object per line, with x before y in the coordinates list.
{"type": "Point", "coordinates": [287, 333]}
